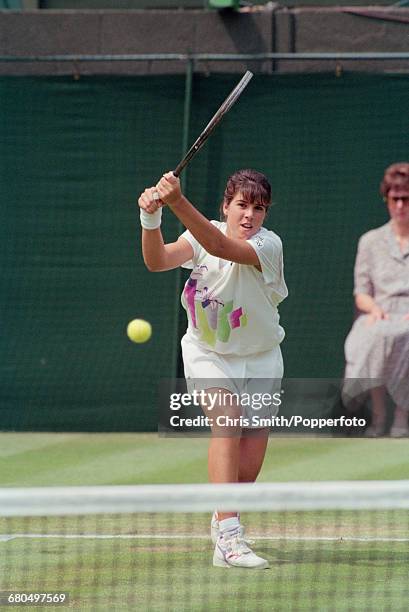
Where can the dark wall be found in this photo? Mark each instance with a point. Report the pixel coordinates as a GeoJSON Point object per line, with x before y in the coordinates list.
{"type": "Point", "coordinates": [129, 4]}
{"type": "Point", "coordinates": [262, 30]}
{"type": "Point", "coordinates": [76, 154]}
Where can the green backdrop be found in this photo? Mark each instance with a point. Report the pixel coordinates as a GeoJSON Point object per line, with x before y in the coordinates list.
{"type": "Point", "coordinates": [75, 155]}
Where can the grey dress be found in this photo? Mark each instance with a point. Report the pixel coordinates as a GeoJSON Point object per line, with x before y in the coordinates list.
{"type": "Point", "coordinates": [379, 353]}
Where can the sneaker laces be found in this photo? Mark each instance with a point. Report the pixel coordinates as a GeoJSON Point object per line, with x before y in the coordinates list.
{"type": "Point", "coordinates": [237, 546]}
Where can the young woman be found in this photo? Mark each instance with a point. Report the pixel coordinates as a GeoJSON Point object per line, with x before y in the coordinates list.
{"type": "Point", "coordinates": [233, 334]}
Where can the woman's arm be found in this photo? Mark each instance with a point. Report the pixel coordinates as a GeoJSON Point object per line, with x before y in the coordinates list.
{"type": "Point", "coordinates": [157, 255]}
{"type": "Point", "coordinates": [366, 303]}
{"type": "Point", "coordinates": [211, 238]}
{"type": "Point", "coordinates": [363, 282]}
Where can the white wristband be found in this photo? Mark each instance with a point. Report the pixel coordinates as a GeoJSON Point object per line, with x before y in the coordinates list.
{"type": "Point", "coordinates": [151, 221]}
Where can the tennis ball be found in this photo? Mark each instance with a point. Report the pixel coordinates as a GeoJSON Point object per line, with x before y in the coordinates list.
{"type": "Point", "coordinates": [139, 331]}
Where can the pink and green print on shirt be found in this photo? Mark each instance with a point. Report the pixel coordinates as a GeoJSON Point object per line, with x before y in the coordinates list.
{"type": "Point", "coordinates": [212, 317]}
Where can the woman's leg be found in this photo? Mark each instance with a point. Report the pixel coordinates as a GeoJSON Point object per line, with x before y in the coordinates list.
{"type": "Point", "coordinates": [252, 452]}
{"type": "Point", "coordinates": [400, 426]}
{"type": "Point", "coordinates": [237, 459]}
{"type": "Point", "coordinates": [224, 447]}
{"type": "Point", "coordinates": [223, 459]}
{"type": "Point", "coordinates": [378, 410]}
{"type": "Point", "coordinates": [227, 450]}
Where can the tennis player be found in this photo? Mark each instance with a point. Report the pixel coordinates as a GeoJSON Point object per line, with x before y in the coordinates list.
{"type": "Point", "coordinates": [233, 335]}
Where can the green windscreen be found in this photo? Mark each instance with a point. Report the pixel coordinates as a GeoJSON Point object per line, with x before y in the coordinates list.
{"type": "Point", "coordinates": [76, 154]}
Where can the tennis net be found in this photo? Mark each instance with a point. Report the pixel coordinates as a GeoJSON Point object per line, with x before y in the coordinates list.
{"type": "Point", "coordinates": [331, 546]}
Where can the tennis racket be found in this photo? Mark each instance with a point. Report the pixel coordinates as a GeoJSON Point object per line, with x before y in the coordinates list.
{"type": "Point", "coordinates": [224, 108]}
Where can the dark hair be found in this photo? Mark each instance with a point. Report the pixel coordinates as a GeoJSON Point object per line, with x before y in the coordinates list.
{"type": "Point", "coordinates": [253, 186]}
{"type": "Point", "coordinates": [396, 176]}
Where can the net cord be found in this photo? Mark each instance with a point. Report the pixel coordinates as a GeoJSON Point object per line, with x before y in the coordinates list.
{"type": "Point", "coordinates": [296, 496]}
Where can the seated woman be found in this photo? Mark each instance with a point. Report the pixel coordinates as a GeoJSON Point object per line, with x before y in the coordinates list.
{"type": "Point", "coordinates": [377, 347]}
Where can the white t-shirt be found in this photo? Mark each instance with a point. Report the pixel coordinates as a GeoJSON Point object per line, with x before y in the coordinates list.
{"type": "Point", "coordinates": [232, 307]}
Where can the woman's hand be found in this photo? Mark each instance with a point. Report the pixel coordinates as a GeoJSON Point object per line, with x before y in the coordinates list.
{"type": "Point", "coordinates": [169, 189]}
{"type": "Point", "coordinates": [376, 314]}
{"type": "Point", "coordinates": [150, 200]}
{"type": "Point", "coordinates": [406, 317]}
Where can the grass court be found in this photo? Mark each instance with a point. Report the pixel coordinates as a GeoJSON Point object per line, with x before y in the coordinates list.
{"type": "Point", "coordinates": [319, 560]}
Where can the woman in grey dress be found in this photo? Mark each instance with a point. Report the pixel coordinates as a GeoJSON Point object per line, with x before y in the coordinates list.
{"type": "Point", "coordinates": [377, 347]}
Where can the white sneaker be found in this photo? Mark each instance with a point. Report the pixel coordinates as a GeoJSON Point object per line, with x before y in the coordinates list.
{"type": "Point", "coordinates": [215, 529]}
{"type": "Point", "coordinates": [234, 552]}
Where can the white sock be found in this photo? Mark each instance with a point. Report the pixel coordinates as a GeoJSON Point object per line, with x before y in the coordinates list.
{"type": "Point", "coordinates": [229, 526]}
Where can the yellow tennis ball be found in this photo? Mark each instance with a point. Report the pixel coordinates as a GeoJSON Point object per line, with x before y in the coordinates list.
{"type": "Point", "coordinates": [139, 331]}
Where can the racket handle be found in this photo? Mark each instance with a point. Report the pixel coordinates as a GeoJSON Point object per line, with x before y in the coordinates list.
{"type": "Point", "coordinates": [179, 168]}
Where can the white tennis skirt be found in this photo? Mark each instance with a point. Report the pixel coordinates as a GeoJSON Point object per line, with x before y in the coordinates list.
{"type": "Point", "coordinates": [250, 375]}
